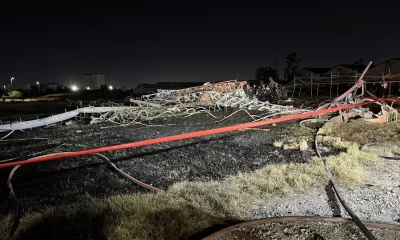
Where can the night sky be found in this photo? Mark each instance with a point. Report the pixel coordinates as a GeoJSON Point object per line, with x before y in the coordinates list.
{"type": "Point", "coordinates": [188, 41]}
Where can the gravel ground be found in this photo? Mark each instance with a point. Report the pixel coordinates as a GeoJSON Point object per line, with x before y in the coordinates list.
{"type": "Point", "coordinates": [68, 180]}
{"type": "Point", "coordinates": [376, 200]}
{"type": "Point", "coordinates": [312, 231]}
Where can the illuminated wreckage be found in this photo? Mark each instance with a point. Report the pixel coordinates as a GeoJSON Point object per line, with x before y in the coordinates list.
{"type": "Point", "coordinates": [208, 98]}
{"type": "Point", "coordinates": [387, 113]}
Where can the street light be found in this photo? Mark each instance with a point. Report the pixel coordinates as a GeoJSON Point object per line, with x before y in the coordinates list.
{"type": "Point", "coordinates": [88, 88]}
{"type": "Point", "coordinates": [5, 92]}
{"type": "Point", "coordinates": [12, 78]}
{"type": "Point", "coordinates": [74, 88]}
{"type": "Point", "coordinates": [111, 87]}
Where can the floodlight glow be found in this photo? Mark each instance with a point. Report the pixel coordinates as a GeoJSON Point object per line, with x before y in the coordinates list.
{"type": "Point", "coordinates": [88, 88]}
{"type": "Point", "coordinates": [74, 88]}
{"type": "Point", "coordinates": [111, 87]}
{"type": "Point", "coordinates": [37, 83]}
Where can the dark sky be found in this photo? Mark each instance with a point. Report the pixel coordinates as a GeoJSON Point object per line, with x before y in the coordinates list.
{"type": "Point", "coordinates": [148, 41]}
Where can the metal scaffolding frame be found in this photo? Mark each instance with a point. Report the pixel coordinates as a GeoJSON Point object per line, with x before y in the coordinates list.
{"type": "Point", "coordinates": [311, 85]}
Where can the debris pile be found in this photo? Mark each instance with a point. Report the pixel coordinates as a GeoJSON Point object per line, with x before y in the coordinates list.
{"type": "Point", "coordinates": [387, 113]}
{"type": "Point", "coordinates": [209, 98]}
{"type": "Point", "coordinates": [217, 96]}
{"type": "Point", "coordinates": [166, 103]}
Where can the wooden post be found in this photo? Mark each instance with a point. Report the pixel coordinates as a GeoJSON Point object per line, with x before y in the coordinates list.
{"type": "Point", "coordinates": [337, 89]}
{"type": "Point", "coordinates": [301, 87]}
{"type": "Point", "coordinates": [365, 87]}
{"type": "Point", "coordinates": [294, 86]}
{"type": "Point", "coordinates": [337, 85]}
{"type": "Point", "coordinates": [355, 78]}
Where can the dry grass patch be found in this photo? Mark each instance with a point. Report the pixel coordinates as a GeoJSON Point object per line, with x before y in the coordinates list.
{"type": "Point", "coordinates": [136, 216]}
{"type": "Point", "coordinates": [4, 225]}
{"type": "Point", "coordinates": [364, 132]}
{"type": "Point", "coordinates": [230, 198]}
{"type": "Point", "coordinates": [348, 167]}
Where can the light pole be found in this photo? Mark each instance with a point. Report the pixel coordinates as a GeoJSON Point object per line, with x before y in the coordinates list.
{"type": "Point", "coordinates": [38, 84]}
{"type": "Point", "coordinates": [12, 78]}
{"type": "Point", "coordinates": [5, 92]}
{"type": "Point", "coordinates": [29, 94]}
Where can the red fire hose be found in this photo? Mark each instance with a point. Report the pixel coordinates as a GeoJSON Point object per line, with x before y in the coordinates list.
{"type": "Point", "coordinates": [61, 155]}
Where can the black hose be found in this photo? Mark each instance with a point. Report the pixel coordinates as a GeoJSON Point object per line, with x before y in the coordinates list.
{"type": "Point", "coordinates": [355, 218]}
{"type": "Point", "coordinates": [156, 190]}
{"type": "Point", "coordinates": [127, 176]}
{"type": "Point", "coordinates": [15, 215]}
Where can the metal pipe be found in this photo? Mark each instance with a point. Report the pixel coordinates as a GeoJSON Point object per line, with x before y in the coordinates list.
{"type": "Point", "coordinates": [256, 222]}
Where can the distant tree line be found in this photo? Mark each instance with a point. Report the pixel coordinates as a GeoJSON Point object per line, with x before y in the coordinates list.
{"type": "Point", "coordinates": [291, 70]}
{"type": "Point", "coordinates": [104, 91]}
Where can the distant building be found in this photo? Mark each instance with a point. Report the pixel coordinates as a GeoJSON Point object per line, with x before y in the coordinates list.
{"type": "Point", "coordinates": [49, 86]}
{"type": "Point", "coordinates": [307, 72]}
{"type": "Point", "coordinates": [89, 81]}
{"type": "Point", "coordinates": [391, 66]}
{"type": "Point", "coordinates": [348, 69]}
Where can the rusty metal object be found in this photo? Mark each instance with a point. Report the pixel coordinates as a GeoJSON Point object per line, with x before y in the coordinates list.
{"type": "Point", "coordinates": [364, 113]}
{"type": "Point", "coordinates": [393, 114]}
{"type": "Point", "coordinates": [359, 84]}
{"type": "Point", "coordinates": [223, 87]}
{"type": "Point", "coordinates": [206, 99]}
{"type": "Point", "coordinates": [388, 115]}
{"type": "Point", "coordinates": [336, 220]}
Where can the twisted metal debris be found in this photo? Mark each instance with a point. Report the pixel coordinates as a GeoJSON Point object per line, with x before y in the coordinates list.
{"type": "Point", "coordinates": [220, 95]}
{"type": "Point", "coordinates": [207, 98]}
{"type": "Point", "coordinates": [189, 101]}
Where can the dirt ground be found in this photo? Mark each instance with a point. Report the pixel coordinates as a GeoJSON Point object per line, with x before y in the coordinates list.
{"type": "Point", "coordinates": [68, 180]}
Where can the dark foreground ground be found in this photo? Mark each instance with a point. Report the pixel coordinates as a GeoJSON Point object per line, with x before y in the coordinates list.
{"type": "Point", "coordinates": [66, 181]}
